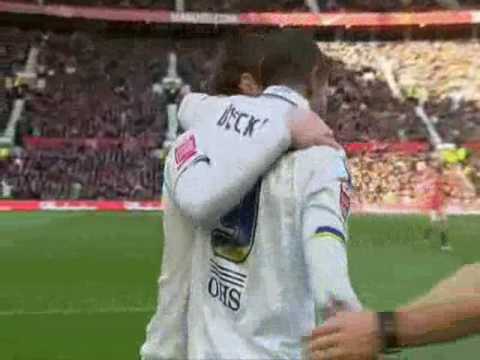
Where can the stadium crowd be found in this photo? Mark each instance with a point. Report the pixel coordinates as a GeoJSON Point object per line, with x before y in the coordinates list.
{"type": "Point", "coordinates": [84, 173]}
{"type": "Point", "coordinates": [13, 52]}
{"type": "Point", "coordinates": [98, 87]}
{"type": "Point", "coordinates": [106, 87]}
{"type": "Point", "coordinates": [442, 75]}
{"type": "Point", "coordinates": [93, 93]}
{"type": "Point", "coordinates": [396, 178]}
{"type": "Point", "coordinates": [278, 6]}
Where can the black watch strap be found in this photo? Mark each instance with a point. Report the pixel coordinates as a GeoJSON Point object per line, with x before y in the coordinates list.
{"type": "Point", "coordinates": [388, 331]}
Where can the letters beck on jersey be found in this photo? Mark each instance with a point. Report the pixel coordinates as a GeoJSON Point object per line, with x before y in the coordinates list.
{"type": "Point", "coordinates": [240, 122]}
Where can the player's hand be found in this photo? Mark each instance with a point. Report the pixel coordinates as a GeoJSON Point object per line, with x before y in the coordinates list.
{"type": "Point", "coordinates": [346, 336]}
{"type": "Point", "coordinates": [308, 129]}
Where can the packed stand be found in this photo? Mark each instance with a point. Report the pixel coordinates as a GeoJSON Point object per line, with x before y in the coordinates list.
{"type": "Point", "coordinates": [105, 87]}
{"type": "Point", "coordinates": [442, 75]}
{"type": "Point", "coordinates": [100, 91]}
{"type": "Point", "coordinates": [384, 178]}
{"type": "Point", "coordinates": [272, 5]}
{"type": "Point", "coordinates": [99, 87]}
{"type": "Point", "coordinates": [397, 5]}
{"type": "Point", "coordinates": [401, 179]}
{"type": "Point", "coordinates": [83, 173]}
{"type": "Point", "coordinates": [13, 53]}
{"type": "Point", "coordinates": [362, 108]}
{"type": "Point", "coordinates": [96, 89]}
{"type": "Point", "coordinates": [157, 4]}
{"type": "Point", "coordinates": [136, 174]}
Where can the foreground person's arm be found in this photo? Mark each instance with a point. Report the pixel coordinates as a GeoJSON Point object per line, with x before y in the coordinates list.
{"type": "Point", "coordinates": [451, 310]}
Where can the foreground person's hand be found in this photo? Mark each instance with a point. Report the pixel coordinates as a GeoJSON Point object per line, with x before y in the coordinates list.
{"type": "Point", "coordinates": [346, 336]}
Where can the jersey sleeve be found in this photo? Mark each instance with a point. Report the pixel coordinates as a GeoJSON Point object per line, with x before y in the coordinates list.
{"type": "Point", "coordinates": [166, 336]}
{"type": "Point", "coordinates": [190, 107]}
{"type": "Point", "coordinates": [210, 170]}
{"type": "Point", "coordinates": [325, 233]}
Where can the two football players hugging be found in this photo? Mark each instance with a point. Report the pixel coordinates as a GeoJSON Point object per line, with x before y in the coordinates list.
{"type": "Point", "coordinates": [255, 233]}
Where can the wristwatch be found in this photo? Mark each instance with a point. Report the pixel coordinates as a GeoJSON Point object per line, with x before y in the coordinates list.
{"type": "Point", "coordinates": [388, 332]}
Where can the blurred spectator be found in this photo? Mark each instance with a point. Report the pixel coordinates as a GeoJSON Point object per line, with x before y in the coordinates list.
{"type": "Point", "coordinates": [13, 50]}
{"type": "Point", "coordinates": [274, 5]}
{"type": "Point", "coordinates": [393, 179]}
{"type": "Point", "coordinates": [86, 174]}
{"type": "Point", "coordinates": [385, 178]}
{"type": "Point", "coordinates": [81, 173]}
{"type": "Point", "coordinates": [105, 87]}
{"type": "Point", "coordinates": [98, 87]}
{"type": "Point", "coordinates": [271, 5]}
{"type": "Point", "coordinates": [444, 73]}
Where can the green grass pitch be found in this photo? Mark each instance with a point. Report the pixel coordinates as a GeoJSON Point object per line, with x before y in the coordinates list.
{"type": "Point", "coordinates": [83, 285]}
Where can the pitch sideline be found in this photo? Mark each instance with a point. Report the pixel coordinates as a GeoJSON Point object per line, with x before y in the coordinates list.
{"type": "Point", "coordinates": [118, 310]}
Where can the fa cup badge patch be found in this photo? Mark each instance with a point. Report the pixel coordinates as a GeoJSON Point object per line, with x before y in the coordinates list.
{"type": "Point", "coordinates": [186, 151]}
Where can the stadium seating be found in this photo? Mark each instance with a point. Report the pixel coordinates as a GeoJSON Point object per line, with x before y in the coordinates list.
{"type": "Point", "coordinates": [392, 178]}
{"type": "Point", "coordinates": [104, 87]}
{"type": "Point", "coordinates": [4, 106]}
{"type": "Point", "coordinates": [443, 73]}
{"type": "Point", "coordinates": [84, 173]}
{"type": "Point", "coordinates": [100, 87]}
{"type": "Point", "coordinates": [13, 46]}
{"type": "Point", "coordinates": [272, 5]}
{"type": "Point", "coordinates": [123, 102]}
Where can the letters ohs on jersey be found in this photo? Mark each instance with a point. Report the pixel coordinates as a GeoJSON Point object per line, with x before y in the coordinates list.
{"type": "Point", "coordinates": [226, 285]}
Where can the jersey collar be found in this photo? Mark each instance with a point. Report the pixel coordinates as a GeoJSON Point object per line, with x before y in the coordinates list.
{"type": "Point", "coordinates": [286, 94]}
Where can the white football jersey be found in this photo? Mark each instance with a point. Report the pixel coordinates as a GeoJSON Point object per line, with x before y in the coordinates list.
{"type": "Point", "coordinates": [231, 142]}
{"type": "Point", "coordinates": [166, 335]}
{"type": "Point", "coordinates": [233, 313]}
{"type": "Point", "coordinates": [263, 273]}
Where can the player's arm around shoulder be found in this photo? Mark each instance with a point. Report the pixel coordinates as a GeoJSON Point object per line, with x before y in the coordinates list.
{"type": "Point", "coordinates": [214, 165]}
{"type": "Point", "coordinates": [222, 155]}
{"type": "Point", "coordinates": [193, 107]}
{"type": "Point", "coordinates": [184, 192]}
{"type": "Point", "coordinates": [224, 152]}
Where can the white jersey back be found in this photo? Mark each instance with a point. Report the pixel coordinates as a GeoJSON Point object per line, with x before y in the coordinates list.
{"type": "Point", "coordinates": [260, 271]}
{"type": "Point", "coordinates": [254, 299]}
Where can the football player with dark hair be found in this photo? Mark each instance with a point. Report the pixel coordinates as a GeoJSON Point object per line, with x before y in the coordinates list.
{"type": "Point", "coordinates": [214, 167]}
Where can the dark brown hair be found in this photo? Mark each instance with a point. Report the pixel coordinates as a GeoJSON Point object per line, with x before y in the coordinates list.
{"type": "Point", "coordinates": [290, 56]}
{"type": "Point", "coordinates": [239, 53]}
{"type": "Point", "coordinates": [283, 57]}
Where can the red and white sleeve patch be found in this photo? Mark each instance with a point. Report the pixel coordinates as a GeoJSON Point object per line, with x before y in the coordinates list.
{"type": "Point", "coordinates": [186, 151]}
{"type": "Point", "coordinates": [345, 199]}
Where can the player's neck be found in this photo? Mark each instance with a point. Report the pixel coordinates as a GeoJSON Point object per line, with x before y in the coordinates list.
{"type": "Point", "coordinates": [299, 88]}
{"type": "Point", "coordinates": [293, 94]}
